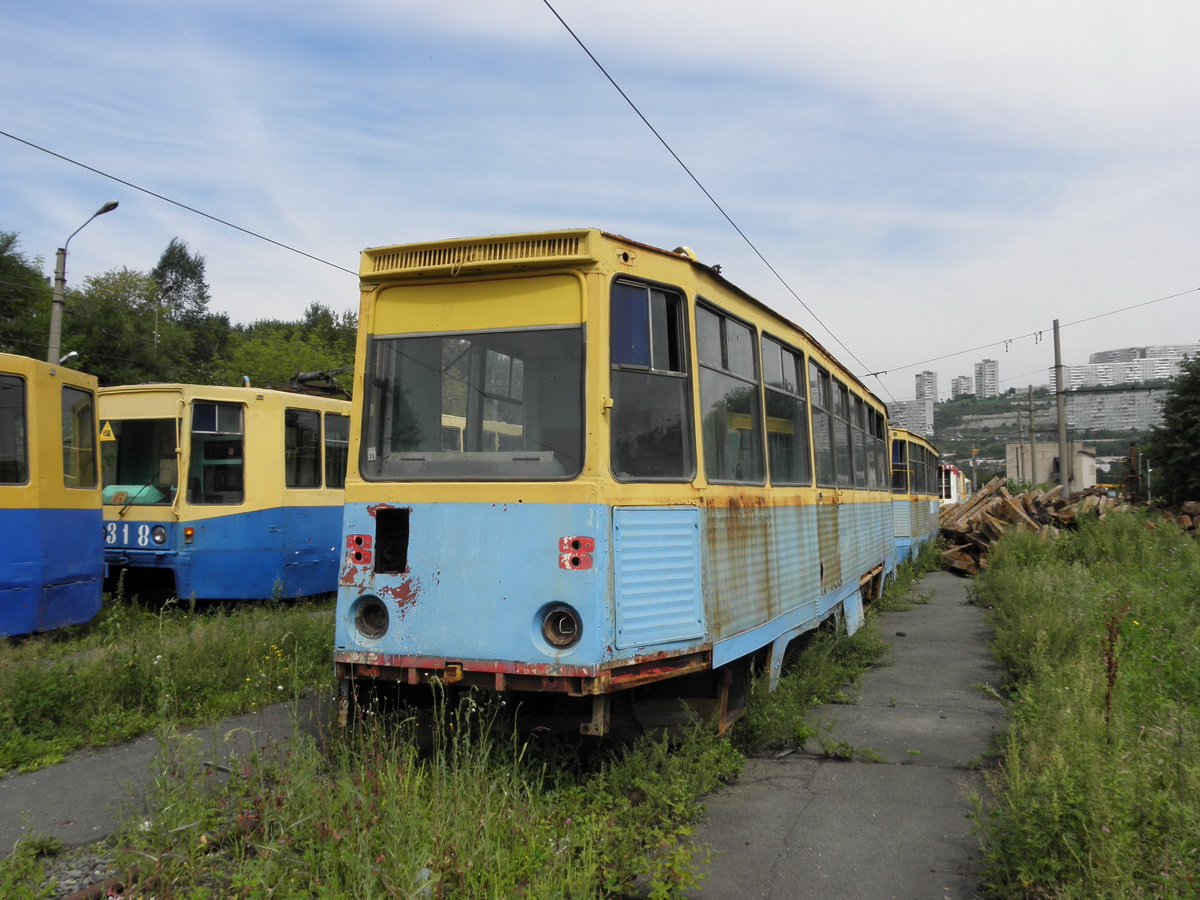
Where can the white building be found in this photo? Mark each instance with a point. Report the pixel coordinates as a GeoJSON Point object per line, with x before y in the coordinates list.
{"type": "Point", "coordinates": [987, 379]}
{"type": "Point", "coordinates": [927, 385]}
{"type": "Point", "coordinates": [960, 386]}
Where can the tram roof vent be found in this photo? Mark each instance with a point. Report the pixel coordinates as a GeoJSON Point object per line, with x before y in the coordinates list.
{"type": "Point", "coordinates": [489, 253]}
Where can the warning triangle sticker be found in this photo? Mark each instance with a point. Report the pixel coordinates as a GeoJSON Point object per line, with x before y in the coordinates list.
{"type": "Point", "coordinates": [106, 433]}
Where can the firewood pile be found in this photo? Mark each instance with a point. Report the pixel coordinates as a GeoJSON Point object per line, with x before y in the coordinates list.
{"type": "Point", "coordinates": [973, 526]}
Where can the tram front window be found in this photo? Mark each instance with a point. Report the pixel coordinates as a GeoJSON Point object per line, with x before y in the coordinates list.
{"type": "Point", "coordinates": [488, 406]}
{"type": "Point", "coordinates": [137, 461]}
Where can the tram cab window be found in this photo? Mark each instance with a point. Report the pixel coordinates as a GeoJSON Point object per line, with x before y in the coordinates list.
{"type": "Point", "coordinates": [137, 461]}
{"type": "Point", "coordinates": [78, 438]}
{"type": "Point", "coordinates": [650, 423]}
{"type": "Point", "coordinates": [497, 406]}
{"type": "Point", "coordinates": [215, 473]}
{"type": "Point", "coordinates": [302, 448]}
{"type": "Point", "coordinates": [787, 414]}
{"type": "Point", "coordinates": [729, 399]}
{"type": "Point", "coordinates": [14, 453]}
{"type": "Point", "coordinates": [337, 449]}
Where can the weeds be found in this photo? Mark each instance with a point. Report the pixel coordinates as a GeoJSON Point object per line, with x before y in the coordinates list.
{"type": "Point", "coordinates": [135, 669]}
{"type": "Point", "coordinates": [1096, 795]}
{"type": "Point", "coordinates": [484, 813]}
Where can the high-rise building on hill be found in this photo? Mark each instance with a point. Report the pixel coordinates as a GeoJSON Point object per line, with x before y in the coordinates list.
{"type": "Point", "coordinates": [987, 379]}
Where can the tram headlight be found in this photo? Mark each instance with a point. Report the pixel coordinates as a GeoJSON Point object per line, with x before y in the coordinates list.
{"type": "Point", "coordinates": [561, 626]}
{"type": "Point", "coordinates": [158, 534]}
{"type": "Point", "coordinates": [370, 616]}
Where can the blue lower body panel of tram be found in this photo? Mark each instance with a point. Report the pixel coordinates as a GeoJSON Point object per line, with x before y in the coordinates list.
{"type": "Point", "coordinates": [914, 523]}
{"type": "Point", "coordinates": [51, 569]}
{"type": "Point", "coordinates": [472, 584]}
{"type": "Point", "coordinates": [281, 552]}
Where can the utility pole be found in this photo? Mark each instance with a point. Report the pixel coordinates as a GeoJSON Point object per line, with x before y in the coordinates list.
{"type": "Point", "coordinates": [58, 299]}
{"type": "Point", "coordinates": [1060, 398]}
{"type": "Point", "coordinates": [1032, 443]}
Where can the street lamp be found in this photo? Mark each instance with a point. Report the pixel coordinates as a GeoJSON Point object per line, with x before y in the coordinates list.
{"type": "Point", "coordinates": [60, 285]}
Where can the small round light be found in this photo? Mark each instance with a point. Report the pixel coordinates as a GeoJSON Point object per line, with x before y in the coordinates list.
{"type": "Point", "coordinates": [159, 534]}
{"type": "Point", "coordinates": [561, 626]}
{"type": "Point", "coordinates": [370, 616]}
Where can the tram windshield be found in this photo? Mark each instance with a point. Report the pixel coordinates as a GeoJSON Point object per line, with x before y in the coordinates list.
{"type": "Point", "coordinates": [488, 406]}
{"type": "Point", "coordinates": [137, 461]}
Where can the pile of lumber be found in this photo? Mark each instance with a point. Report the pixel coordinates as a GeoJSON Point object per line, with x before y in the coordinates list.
{"type": "Point", "coordinates": [973, 526]}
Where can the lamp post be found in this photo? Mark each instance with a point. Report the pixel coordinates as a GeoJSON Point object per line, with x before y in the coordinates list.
{"type": "Point", "coordinates": [60, 285]}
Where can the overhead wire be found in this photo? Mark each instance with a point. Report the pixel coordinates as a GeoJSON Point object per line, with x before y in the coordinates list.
{"type": "Point", "coordinates": [699, 184]}
{"type": "Point", "coordinates": [184, 206]}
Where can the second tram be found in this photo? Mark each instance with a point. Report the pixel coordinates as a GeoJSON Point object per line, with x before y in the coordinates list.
{"type": "Point", "coordinates": [915, 490]}
{"type": "Point", "coordinates": [222, 493]}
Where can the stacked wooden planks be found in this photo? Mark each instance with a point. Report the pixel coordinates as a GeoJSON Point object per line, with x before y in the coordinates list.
{"type": "Point", "coordinates": [972, 527]}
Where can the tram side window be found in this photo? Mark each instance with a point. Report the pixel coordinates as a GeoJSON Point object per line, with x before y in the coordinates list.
{"type": "Point", "coordinates": [14, 460]}
{"type": "Point", "coordinates": [79, 438]}
{"type": "Point", "coordinates": [881, 452]}
{"type": "Point", "coordinates": [858, 434]}
{"type": "Point", "coordinates": [899, 467]}
{"type": "Point", "coordinates": [337, 449]}
{"type": "Point", "coordinates": [651, 423]}
{"type": "Point", "coordinates": [842, 434]}
{"type": "Point", "coordinates": [215, 474]}
{"type": "Point", "coordinates": [821, 386]}
{"type": "Point", "coordinates": [729, 399]}
{"type": "Point", "coordinates": [302, 448]}
{"type": "Point", "coordinates": [787, 414]}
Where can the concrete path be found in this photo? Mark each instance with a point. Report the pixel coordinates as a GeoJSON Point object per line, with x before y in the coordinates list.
{"type": "Point", "coordinates": [897, 823]}
{"type": "Point", "coordinates": [84, 798]}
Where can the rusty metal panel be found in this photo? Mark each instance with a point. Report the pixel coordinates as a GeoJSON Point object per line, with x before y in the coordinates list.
{"type": "Point", "coordinates": [737, 573]}
{"type": "Point", "coordinates": [657, 575]}
{"type": "Point", "coordinates": [829, 539]}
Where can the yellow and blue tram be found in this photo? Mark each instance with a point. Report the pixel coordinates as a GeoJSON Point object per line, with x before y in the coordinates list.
{"type": "Point", "coordinates": [915, 491]}
{"type": "Point", "coordinates": [222, 493]}
{"type": "Point", "coordinates": [51, 565]}
{"type": "Point", "coordinates": [587, 467]}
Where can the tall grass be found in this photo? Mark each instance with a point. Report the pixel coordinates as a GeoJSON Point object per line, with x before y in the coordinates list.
{"type": "Point", "coordinates": [481, 814]}
{"type": "Point", "coordinates": [134, 669]}
{"type": "Point", "coordinates": [1099, 791]}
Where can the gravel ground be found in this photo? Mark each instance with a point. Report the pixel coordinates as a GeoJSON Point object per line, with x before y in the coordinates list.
{"type": "Point", "coordinates": [75, 869]}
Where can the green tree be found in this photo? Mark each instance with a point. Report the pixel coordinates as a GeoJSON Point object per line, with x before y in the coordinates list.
{"type": "Point", "coordinates": [116, 323]}
{"type": "Point", "coordinates": [271, 352]}
{"type": "Point", "coordinates": [185, 295]}
{"type": "Point", "coordinates": [24, 301]}
{"type": "Point", "coordinates": [1174, 447]}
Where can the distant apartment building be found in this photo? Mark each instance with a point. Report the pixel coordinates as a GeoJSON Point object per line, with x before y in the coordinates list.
{"type": "Point", "coordinates": [1135, 410]}
{"type": "Point", "coordinates": [961, 386]}
{"type": "Point", "coordinates": [915, 415]}
{"type": "Point", "coordinates": [927, 386]}
{"type": "Point", "coordinates": [987, 379]}
{"type": "Point", "coordinates": [1129, 365]}
{"type": "Point", "coordinates": [1160, 351]}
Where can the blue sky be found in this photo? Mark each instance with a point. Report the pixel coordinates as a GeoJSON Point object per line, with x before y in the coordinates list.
{"type": "Point", "coordinates": [929, 177]}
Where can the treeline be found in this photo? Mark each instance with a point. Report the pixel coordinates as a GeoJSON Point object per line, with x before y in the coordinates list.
{"type": "Point", "coordinates": [130, 327]}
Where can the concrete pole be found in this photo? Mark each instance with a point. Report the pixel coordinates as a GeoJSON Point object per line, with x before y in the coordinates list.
{"type": "Point", "coordinates": [1032, 443]}
{"type": "Point", "coordinates": [60, 286]}
{"type": "Point", "coordinates": [1060, 397]}
{"type": "Point", "coordinates": [56, 307]}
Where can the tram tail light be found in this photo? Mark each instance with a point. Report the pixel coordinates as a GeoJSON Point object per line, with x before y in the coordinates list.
{"type": "Point", "coordinates": [188, 534]}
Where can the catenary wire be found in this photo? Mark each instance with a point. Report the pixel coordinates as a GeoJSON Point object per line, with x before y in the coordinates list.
{"type": "Point", "coordinates": [699, 184]}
